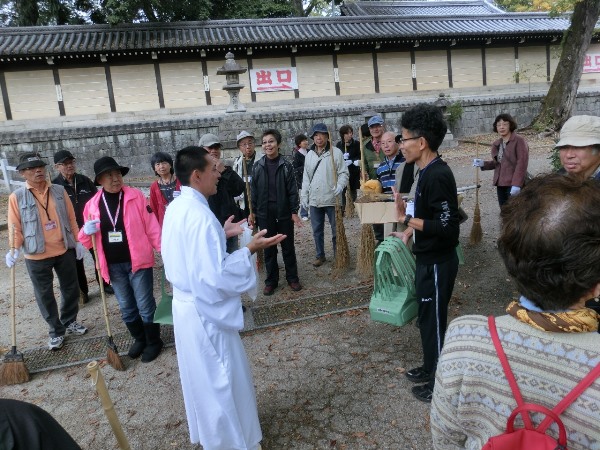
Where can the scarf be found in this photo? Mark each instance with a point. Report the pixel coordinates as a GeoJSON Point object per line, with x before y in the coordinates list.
{"type": "Point", "coordinates": [572, 321]}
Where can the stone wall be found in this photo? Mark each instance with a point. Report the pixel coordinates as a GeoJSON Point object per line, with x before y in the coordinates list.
{"type": "Point", "coordinates": [132, 141]}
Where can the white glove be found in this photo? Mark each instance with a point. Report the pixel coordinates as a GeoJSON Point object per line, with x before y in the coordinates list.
{"type": "Point", "coordinates": [356, 163]}
{"type": "Point", "coordinates": [346, 155]}
{"type": "Point", "coordinates": [348, 162]}
{"type": "Point", "coordinates": [239, 198]}
{"type": "Point", "coordinates": [90, 227]}
{"type": "Point", "coordinates": [477, 162]}
{"type": "Point", "coordinates": [514, 190]}
{"type": "Point", "coordinates": [80, 251]}
{"type": "Point", "coordinates": [338, 190]}
{"type": "Point", "coordinates": [11, 259]}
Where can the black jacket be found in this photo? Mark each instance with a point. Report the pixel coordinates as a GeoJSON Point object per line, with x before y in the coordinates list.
{"type": "Point", "coordinates": [222, 203]}
{"type": "Point", "coordinates": [80, 193]}
{"type": "Point", "coordinates": [298, 164]}
{"type": "Point", "coordinates": [353, 149]}
{"type": "Point", "coordinates": [436, 202]}
{"type": "Point", "coordinates": [288, 200]}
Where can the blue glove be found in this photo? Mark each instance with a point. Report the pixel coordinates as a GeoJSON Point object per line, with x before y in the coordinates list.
{"type": "Point", "coordinates": [79, 251]}
{"type": "Point", "coordinates": [90, 227]}
{"type": "Point", "coordinates": [514, 190]}
{"type": "Point", "coordinates": [477, 162]}
{"type": "Point", "coordinates": [11, 258]}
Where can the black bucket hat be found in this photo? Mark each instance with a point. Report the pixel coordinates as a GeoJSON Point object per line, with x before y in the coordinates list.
{"type": "Point", "coordinates": [62, 155]}
{"type": "Point", "coordinates": [29, 160]}
{"type": "Point", "coordinates": [106, 164]}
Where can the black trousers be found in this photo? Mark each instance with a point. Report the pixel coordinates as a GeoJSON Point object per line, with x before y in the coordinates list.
{"type": "Point", "coordinates": [434, 285]}
{"type": "Point", "coordinates": [288, 251]}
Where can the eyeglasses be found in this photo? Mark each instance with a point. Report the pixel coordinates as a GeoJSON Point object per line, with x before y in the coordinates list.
{"type": "Point", "coordinates": [403, 140]}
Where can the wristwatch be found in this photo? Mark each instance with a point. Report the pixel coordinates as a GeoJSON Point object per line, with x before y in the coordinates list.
{"type": "Point", "coordinates": [407, 219]}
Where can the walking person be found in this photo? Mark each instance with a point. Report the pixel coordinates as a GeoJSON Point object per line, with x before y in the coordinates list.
{"type": "Point", "coordinates": [127, 232]}
{"type": "Point", "coordinates": [318, 189]}
{"type": "Point", "coordinates": [300, 151]}
{"type": "Point", "coordinates": [46, 229]}
{"type": "Point", "coordinates": [275, 203]}
{"type": "Point", "coordinates": [166, 187]}
{"type": "Point", "coordinates": [435, 230]}
{"type": "Point", "coordinates": [218, 392]}
{"type": "Point", "coordinates": [510, 157]}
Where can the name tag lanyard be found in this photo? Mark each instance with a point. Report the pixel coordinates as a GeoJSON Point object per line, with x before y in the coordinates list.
{"type": "Point", "coordinates": [45, 208]}
{"type": "Point", "coordinates": [110, 217]}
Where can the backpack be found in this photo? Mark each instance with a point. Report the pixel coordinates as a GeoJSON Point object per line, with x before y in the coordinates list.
{"type": "Point", "coordinates": [531, 438]}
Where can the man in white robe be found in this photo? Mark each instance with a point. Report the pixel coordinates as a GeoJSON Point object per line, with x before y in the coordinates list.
{"type": "Point", "coordinates": [217, 385]}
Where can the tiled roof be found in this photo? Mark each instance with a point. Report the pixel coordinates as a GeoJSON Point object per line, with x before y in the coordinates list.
{"type": "Point", "coordinates": [184, 36]}
{"type": "Point", "coordinates": [420, 8]}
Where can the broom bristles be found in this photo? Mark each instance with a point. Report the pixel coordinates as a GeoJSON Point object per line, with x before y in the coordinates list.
{"type": "Point", "coordinates": [13, 372]}
{"type": "Point", "coordinates": [112, 356]}
{"type": "Point", "coordinates": [366, 251]}
{"type": "Point", "coordinates": [476, 231]}
{"type": "Point", "coordinates": [342, 254]}
{"type": "Point", "coordinates": [349, 211]}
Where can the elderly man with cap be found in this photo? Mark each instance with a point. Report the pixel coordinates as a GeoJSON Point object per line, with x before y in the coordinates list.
{"type": "Point", "coordinates": [372, 147]}
{"type": "Point", "coordinates": [230, 185]}
{"type": "Point", "coordinates": [247, 145]}
{"type": "Point", "coordinates": [127, 232]}
{"type": "Point", "coordinates": [46, 229]}
{"type": "Point", "coordinates": [80, 189]}
{"type": "Point", "coordinates": [579, 147]}
{"type": "Point", "coordinates": [319, 190]}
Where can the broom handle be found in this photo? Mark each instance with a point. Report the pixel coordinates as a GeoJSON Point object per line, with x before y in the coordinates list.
{"type": "Point", "coordinates": [245, 175]}
{"type": "Point", "coordinates": [333, 168]}
{"type": "Point", "coordinates": [101, 283]}
{"type": "Point", "coordinates": [12, 288]}
{"type": "Point", "coordinates": [362, 155]}
{"type": "Point", "coordinates": [477, 169]}
{"type": "Point", "coordinates": [107, 404]}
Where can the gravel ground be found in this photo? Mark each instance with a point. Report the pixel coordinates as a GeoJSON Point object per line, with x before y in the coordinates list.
{"type": "Point", "coordinates": [329, 383]}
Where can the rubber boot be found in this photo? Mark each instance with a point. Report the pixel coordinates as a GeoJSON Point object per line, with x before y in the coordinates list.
{"type": "Point", "coordinates": [154, 343]}
{"type": "Point", "coordinates": [136, 329]}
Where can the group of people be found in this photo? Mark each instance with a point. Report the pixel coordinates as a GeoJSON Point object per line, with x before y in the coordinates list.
{"type": "Point", "coordinates": [549, 243]}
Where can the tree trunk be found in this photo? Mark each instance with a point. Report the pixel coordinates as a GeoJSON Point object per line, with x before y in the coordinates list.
{"type": "Point", "coordinates": [558, 103]}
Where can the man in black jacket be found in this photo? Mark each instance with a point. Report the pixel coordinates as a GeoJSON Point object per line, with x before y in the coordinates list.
{"type": "Point", "coordinates": [80, 189]}
{"type": "Point", "coordinates": [435, 226]}
{"type": "Point", "coordinates": [275, 203]}
{"type": "Point", "coordinates": [231, 185]}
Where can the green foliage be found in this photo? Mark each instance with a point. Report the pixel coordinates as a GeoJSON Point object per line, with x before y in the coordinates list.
{"type": "Point", "coordinates": [554, 159]}
{"type": "Point", "coordinates": [552, 6]}
{"type": "Point", "coordinates": [455, 112]}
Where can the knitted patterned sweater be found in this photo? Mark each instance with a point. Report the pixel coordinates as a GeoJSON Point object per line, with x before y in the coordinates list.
{"type": "Point", "coordinates": [472, 399]}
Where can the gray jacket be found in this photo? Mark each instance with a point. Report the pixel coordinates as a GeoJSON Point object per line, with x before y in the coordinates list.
{"type": "Point", "coordinates": [318, 182]}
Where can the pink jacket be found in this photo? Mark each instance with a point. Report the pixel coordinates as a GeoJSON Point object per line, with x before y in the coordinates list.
{"type": "Point", "coordinates": [141, 227]}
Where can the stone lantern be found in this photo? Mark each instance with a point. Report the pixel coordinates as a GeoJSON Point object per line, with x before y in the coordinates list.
{"type": "Point", "coordinates": [232, 70]}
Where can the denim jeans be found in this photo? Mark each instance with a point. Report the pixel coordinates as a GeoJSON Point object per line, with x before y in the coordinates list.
{"type": "Point", "coordinates": [134, 292]}
{"type": "Point", "coordinates": [40, 272]}
{"type": "Point", "coordinates": [317, 220]}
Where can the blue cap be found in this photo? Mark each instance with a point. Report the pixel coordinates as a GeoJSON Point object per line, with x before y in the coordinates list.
{"type": "Point", "coordinates": [375, 120]}
{"type": "Point", "coordinates": [319, 128]}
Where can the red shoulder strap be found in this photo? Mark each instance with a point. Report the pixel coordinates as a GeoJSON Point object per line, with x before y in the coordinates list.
{"type": "Point", "coordinates": [507, 371]}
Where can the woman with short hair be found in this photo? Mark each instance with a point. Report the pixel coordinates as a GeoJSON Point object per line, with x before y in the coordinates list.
{"type": "Point", "coordinates": [166, 187]}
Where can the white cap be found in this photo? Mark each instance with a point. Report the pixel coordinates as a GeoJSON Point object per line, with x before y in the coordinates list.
{"type": "Point", "coordinates": [580, 131]}
{"type": "Point", "coordinates": [243, 134]}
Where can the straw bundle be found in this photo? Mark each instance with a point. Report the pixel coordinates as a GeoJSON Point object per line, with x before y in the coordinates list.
{"type": "Point", "coordinates": [342, 254]}
{"type": "Point", "coordinates": [476, 231]}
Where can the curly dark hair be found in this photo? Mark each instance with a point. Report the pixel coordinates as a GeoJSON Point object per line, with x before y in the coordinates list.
{"type": "Point", "coordinates": [550, 240]}
{"type": "Point", "coordinates": [273, 132]}
{"type": "Point", "coordinates": [506, 118]}
{"type": "Point", "coordinates": [161, 157]}
{"type": "Point", "coordinates": [427, 121]}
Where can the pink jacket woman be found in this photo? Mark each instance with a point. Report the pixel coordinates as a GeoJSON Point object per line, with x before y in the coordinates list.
{"type": "Point", "coordinates": [138, 222]}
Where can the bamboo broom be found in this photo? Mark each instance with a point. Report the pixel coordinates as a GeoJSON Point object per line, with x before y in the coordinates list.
{"type": "Point", "coordinates": [342, 254]}
{"type": "Point", "coordinates": [112, 353]}
{"type": "Point", "coordinates": [260, 254]}
{"type": "Point", "coordinates": [13, 369]}
{"type": "Point", "coordinates": [366, 244]}
{"type": "Point", "coordinates": [476, 231]}
{"type": "Point", "coordinates": [349, 211]}
{"type": "Point", "coordinates": [109, 409]}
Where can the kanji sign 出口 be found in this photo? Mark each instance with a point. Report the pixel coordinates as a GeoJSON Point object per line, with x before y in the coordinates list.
{"type": "Point", "coordinates": [268, 80]}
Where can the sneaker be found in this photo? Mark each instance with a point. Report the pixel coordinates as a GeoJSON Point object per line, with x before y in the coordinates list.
{"type": "Point", "coordinates": [295, 286]}
{"type": "Point", "coordinates": [319, 261]}
{"type": "Point", "coordinates": [56, 343]}
{"type": "Point", "coordinates": [423, 393]}
{"type": "Point", "coordinates": [76, 328]}
{"type": "Point", "coordinates": [305, 218]}
{"type": "Point", "coordinates": [418, 375]}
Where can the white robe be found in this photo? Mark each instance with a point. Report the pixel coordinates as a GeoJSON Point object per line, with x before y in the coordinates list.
{"type": "Point", "coordinates": [218, 391]}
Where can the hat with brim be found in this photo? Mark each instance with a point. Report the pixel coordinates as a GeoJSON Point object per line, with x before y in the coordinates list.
{"type": "Point", "coordinates": [319, 128]}
{"type": "Point", "coordinates": [106, 164]}
{"type": "Point", "coordinates": [30, 160]}
{"type": "Point", "coordinates": [62, 156]}
{"type": "Point", "coordinates": [208, 140]}
{"type": "Point", "coordinates": [242, 135]}
{"type": "Point", "coordinates": [580, 131]}
{"type": "Point", "coordinates": [375, 120]}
